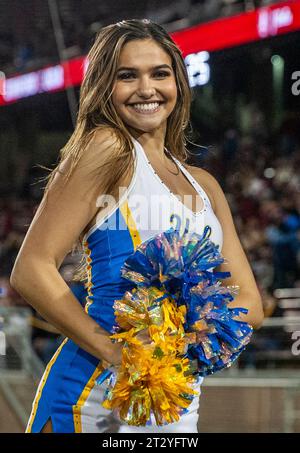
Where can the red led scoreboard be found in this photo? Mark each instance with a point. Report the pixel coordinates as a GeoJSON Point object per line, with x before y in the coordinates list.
{"type": "Point", "coordinates": [195, 42]}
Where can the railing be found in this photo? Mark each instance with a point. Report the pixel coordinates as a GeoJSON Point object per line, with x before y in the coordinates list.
{"type": "Point", "coordinates": [18, 361]}
{"type": "Point", "coordinates": [19, 354]}
{"type": "Point", "coordinates": [266, 377]}
{"type": "Point", "coordinates": [273, 397]}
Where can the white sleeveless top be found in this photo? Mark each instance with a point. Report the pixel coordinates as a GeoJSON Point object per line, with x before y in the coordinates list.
{"type": "Point", "coordinates": [152, 204]}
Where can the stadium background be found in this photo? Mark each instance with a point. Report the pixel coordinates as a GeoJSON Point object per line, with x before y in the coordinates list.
{"type": "Point", "coordinates": [244, 67]}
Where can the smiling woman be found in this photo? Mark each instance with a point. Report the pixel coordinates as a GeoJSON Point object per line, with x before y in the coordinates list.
{"type": "Point", "coordinates": [145, 90]}
{"type": "Point", "coordinates": [121, 180]}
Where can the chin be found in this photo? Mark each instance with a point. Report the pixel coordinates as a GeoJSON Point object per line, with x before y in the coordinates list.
{"type": "Point", "coordinates": [141, 126]}
{"type": "Point", "coordinates": [145, 129]}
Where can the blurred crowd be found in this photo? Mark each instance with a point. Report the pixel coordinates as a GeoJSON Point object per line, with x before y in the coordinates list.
{"type": "Point", "coordinates": [261, 180]}
{"type": "Point", "coordinates": [262, 183]}
{"type": "Point", "coordinates": [28, 40]}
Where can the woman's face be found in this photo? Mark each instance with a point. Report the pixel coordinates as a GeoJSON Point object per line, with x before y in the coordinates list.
{"type": "Point", "coordinates": [145, 90]}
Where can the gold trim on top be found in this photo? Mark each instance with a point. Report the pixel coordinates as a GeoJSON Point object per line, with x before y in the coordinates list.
{"type": "Point", "coordinates": [131, 225]}
{"type": "Point", "coordinates": [89, 283]}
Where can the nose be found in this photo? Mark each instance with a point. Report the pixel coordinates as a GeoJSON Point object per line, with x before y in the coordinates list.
{"type": "Point", "coordinates": [145, 88]}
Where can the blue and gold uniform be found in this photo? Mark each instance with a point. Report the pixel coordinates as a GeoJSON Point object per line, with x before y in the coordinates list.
{"type": "Point", "coordinates": [68, 392]}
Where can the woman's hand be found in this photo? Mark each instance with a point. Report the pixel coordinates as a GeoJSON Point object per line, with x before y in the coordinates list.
{"type": "Point", "coordinates": [115, 355]}
{"type": "Point", "coordinates": [143, 336]}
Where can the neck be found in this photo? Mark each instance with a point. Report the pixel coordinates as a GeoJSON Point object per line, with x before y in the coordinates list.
{"type": "Point", "coordinates": [156, 151]}
{"type": "Point", "coordinates": [153, 142]}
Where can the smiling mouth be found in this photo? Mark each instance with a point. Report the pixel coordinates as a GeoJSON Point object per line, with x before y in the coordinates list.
{"type": "Point", "coordinates": [146, 108]}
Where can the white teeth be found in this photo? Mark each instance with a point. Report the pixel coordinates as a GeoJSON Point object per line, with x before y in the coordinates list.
{"type": "Point", "coordinates": [146, 107]}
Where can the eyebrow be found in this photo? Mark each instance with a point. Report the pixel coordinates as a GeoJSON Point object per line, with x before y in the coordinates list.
{"type": "Point", "coordinates": [122, 68]}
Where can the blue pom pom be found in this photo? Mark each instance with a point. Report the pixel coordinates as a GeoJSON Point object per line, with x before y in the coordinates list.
{"type": "Point", "coordinates": [183, 266]}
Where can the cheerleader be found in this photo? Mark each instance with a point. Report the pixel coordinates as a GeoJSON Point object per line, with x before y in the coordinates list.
{"type": "Point", "coordinates": [122, 178]}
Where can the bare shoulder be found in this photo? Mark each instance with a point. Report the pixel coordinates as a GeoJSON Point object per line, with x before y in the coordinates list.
{"type": "Point", "coordinates": [70, 203]}
{"type": "Point", "coordinates": [104, 136]}
{"type": "Point", "coordinates": [207, 181]}
{"type": "Point", "coordinates": [102, 144]}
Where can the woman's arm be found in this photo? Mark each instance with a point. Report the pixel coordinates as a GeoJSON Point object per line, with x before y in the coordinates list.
{"type": "Point", "coordinates": [57, 224]}
{"type": "Point", "coordinates": [238, 265]}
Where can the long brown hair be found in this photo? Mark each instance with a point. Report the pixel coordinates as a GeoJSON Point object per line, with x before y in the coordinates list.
{"type": "Point", "coordinates": [96, 109]}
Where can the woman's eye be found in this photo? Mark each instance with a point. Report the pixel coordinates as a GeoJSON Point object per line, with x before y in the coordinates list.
{"type": "Point", "coordinates": [129, 75]}
{"type": "Point", "coordinates": [162, 74]}
{"type": "Point", "coordinates": [125, 75]}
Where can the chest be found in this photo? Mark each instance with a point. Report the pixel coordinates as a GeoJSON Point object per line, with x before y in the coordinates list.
{"type": "Point", "coordinates": [178, 184]}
